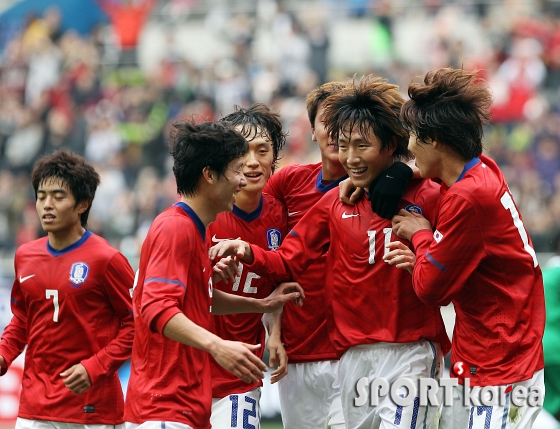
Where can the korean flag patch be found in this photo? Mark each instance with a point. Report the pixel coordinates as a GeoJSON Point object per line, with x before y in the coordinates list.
{"type": "Point", "coordinates": [79, 272]}
{"type": "Point", "coordinates": [273, 238]}
{"type": "Point", "coordinates": [413, 208]}
{"type": "Point", "coordinates": [438, 236]}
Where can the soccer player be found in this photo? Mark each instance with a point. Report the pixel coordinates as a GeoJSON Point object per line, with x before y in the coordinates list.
{"type": "Point", "coordinates": [309, 394]}
{"type": "Point", "coordinates": [71, 307]}
{"type": "Point", "coordinates": [378, 325]}
{"type": "Point", "coordinates": [170, 381]}
{"type": "Point", "coordinates": [260, 219]}
{"type": "Point", "coordinates": [480, 257]}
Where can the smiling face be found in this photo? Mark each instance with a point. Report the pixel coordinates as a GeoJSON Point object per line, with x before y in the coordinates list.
{"type": "Point", "coordinates": [319, 134]}
{"type": "Point", "coordinates": [257, 165]}
{"type": "Point", "coordinates": [362, 157]}
{"type": "Point", "coordinates": [57, 207]}
{"type": "Point", "coordinates": [228, 185]}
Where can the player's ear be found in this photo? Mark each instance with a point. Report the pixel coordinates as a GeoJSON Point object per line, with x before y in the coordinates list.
{"type": "Point", "coordinates": [209, 175]}
{"type": "Point", "coordinates": [313, 136]}
{"type": "Point", "coordinates": [82, 206]}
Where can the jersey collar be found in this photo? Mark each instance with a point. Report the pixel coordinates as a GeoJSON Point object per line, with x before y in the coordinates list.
{"type": "Point", "coordinates": [321, 187]}
{"type": "Point", "coordinates": [194, 217]}
{"type": "Point", "coordinates": [67, 249]}
{"type": "Point", "coordinates": [248, 217]}
{"type": "Point", "coordinates": [468, 166]}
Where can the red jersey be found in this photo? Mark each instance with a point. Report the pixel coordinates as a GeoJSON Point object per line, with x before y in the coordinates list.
{"type": "Point", "coordinates": [481, 259]}
{"type": "Point", "coordinates": [265, 227]}
{"type": "Point", "coordinates": [304, 330]}
{"type": "Point", "coordinates": [369, 301]}
{"type": "Point", "coordinates": [170, 381]}
{"type": "Point", "coordinates": [70, 306]}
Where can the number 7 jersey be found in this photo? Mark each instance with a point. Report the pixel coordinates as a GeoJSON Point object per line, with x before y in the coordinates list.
{"type": "Point", "coordinates": [71, 306]}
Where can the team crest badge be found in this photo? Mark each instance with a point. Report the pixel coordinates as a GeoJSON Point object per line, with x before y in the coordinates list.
{"type": "Point", "coordinates": [79, 272]}
{"type": "Point", "coordinates": [413, 208]}
{"type": "Point", "coordinates": [273, 237]}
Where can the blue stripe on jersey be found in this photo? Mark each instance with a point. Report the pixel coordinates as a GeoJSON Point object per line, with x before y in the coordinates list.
{"type": "Point", "coordinates": [67, 249]}
{"type": "Point", "coordinates": [468, 166]}
{"type": "Point", "coordinates": [190, 213]}
{"type": "Point", "coordinates": [506, 411]}
{"type": "Point", "coordinates": [163, 280]}
{"type": "Point", "coordinates": [321, 187]}
{"type": "Point", "coordinates": [436, 263]}
{"type": "Point", "coordinates": [292, 232]}
{"type": "Point", "coordinates": [248, 217]}
{"type": "Point", "coordinates": [162, 425]}
{"type": "Point", "coordinates": [432, 375]}
{"type": "Point", "coordinates": [15, 301]}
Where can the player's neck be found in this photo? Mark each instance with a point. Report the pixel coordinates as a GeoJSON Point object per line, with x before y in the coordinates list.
{"type": "Point", "coordinates": [248, 201]}
{"type": "Point", "coordinates": [202, 206]}
{"type": "Point", "coordinates": [332, 170]}
{"type": "Point", "coordinates": [452, 167]}
{"type": "Point", "coordinates": [61, 239]}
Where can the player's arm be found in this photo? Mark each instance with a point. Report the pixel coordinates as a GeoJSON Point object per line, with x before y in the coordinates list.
{"type": "Point", "coordinates": [443, 265]}
{"type": "Point", "coordinates": [227, 303]}
{"type": "Point", "coordinates": [14, 337]}
{"type": "Point", "coordinates": [236, 357]}
{"type": "Point", "coordinates": [118, 281]}
{"type": "Point", "coordinates": [275, 347]}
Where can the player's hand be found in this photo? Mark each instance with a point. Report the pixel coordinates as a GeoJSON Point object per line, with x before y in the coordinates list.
{"type": "Point", "coordinates": [238, 249]}
{"type": "Point", "coordinates": [76, 379]}
{"type": "Point", "coordinates": [239, 359]}
{"type": "Point", "coordinates": [225, 269]}
{"type": "Point", "coordinates": [348, 193]}
{"type": "Point", "coordinates": [401, 256]}
{"type": "Point", "coordinates": [405, 224]}
{"type": "Point", "coordinates": [284, 292]}
{"type": "Point", "coordinates": [278, 356]}
{"type": "Point", "coordinates": [387, 189]}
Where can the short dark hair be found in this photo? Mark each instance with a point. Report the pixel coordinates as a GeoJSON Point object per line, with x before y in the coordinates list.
{"type": "Point", "coordinates": [320, 94]}
{"type": "Point", "coordinates": [73, 171]}
{"type": "Point", "coordinates": [450, 106]}
{"type": "Point", "coordinates": [259, 120]}
{"type": "Point", "coordinates": [371, 104]}
{"type": "Point", "coordinates": [206, 144]}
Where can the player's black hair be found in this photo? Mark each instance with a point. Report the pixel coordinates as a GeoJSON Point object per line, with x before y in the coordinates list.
{"type": "Point", "coordinates": [371, 104]}
{"type": "Point", "coordinates": [196, 146]}
{"type": "Point", "coordinates": [73, 171]}
{"type": "Point", "coordinates": [259, 120]}
{"type": "Point", "coordinates": [320, 94]}
{"type": "Point", "coordinates": [450, 106]}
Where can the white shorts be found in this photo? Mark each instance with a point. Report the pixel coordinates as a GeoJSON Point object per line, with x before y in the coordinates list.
{"type": "Point", "coordinates": [390, 361]}
{"type": "Point", "coordinates": [310, 396]}
{"type": "Point", "coordinates": [44, 424]}
{"type": "Point", "coordinates": [507, 416]}
{"type": "Point", "coordinates": [156, 424]}
{"type": "Point", "coordinates": [240, 410]}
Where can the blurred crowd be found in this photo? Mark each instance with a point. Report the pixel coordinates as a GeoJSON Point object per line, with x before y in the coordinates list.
{"type": "Point", "coordinates": [111, 97]}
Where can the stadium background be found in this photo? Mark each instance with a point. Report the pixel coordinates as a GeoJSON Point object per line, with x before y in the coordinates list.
{"type": "Point", "coordinates": [106, 78]}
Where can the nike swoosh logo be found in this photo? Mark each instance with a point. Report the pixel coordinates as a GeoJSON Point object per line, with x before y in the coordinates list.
{"type": "Point", "coordinates": [217, 240]}
{"type": "Point", "coordinates": [390, 177]}
{"type": "Point", "coordinates": [22, 279]}
{"type": "Point", "coordinates": [346, 216]}
{"type": "Point", "coordinates": [293, 213]}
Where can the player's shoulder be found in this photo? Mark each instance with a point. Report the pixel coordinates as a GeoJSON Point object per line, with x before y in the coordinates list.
{"type": "Point", "coordinates": [298, 170]}
{"type": "Point", "coordinates": [271, 201]}
{"type": "Point", "coordinates": [33, 246]}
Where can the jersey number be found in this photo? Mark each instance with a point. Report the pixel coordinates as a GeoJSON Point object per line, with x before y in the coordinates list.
{"type": "Point", "coordinates": [246, 413]}
{"type": "Point", "coordinates": [508, 204]}
{"type": "Point", "coordinates": [371, 235]}
{"type": "Point", "coordinates": [54, 294]}
{"type": "Point", "coordinates": [247, 288]}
